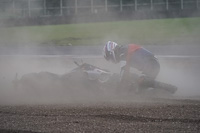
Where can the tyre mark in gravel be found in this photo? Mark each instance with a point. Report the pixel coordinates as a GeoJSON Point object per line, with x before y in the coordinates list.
{"type": "Point", "coordinates": [147, 119]}
{"type": "Point", "coordinates": [16, 131]}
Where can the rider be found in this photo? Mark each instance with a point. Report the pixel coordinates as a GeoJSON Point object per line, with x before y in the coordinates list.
{"type": "Point", "coordinates": [134, 56]}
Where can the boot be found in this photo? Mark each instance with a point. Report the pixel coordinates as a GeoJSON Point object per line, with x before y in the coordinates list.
{"type": "Point", "coordinates": [145, 83]}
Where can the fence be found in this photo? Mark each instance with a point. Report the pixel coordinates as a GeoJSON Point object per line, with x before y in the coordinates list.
{"type": "Point", "coordinates": [45, 8]}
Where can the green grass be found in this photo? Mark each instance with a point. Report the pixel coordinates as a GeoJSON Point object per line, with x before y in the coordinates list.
{"type": "Point", "coordinates": [158, 31]}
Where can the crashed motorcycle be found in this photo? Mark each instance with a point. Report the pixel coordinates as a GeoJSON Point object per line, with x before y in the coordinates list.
{"type": "Point", "coordinates": [88, 78]}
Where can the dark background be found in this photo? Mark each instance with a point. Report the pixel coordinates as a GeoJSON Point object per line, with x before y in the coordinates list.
{"type": "Point", "coordinates": [41, 12]}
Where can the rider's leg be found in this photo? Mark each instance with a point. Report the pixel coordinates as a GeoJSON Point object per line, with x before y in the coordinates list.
{"type": "Point", "coordinates": [147, 80]}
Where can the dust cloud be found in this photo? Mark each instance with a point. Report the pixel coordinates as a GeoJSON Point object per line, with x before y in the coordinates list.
{"type": "Point", "coordinates": [48, 91]}
{"type": "Point", "coordinates": [19, 65]}
{"type": "Point", "coordinates": [184, 73]}
{"type": "Point", "coordinates": [181, 72]}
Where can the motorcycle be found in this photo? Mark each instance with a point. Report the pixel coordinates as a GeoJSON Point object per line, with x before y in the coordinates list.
{"type": "Point", "coordinates": [86, 77]}
{"type": "Point", "coordinates": [108, 80]}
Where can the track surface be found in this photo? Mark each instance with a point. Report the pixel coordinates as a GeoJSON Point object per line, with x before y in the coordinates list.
{"type": "Point", "coordinates": [149, 115]}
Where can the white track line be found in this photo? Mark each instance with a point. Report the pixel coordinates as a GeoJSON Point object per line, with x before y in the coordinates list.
{"type": "Point", "coordinates": [93, 56]}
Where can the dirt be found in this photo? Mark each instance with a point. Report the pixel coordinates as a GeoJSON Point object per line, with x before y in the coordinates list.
{"type": "Point", "coordinates": [149, 115]}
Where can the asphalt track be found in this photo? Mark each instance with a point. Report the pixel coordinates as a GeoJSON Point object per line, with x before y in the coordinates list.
{"type": "Point", "coordinates": [22, 113]}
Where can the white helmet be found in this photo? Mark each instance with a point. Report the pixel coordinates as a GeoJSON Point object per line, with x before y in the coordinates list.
{"type": "Point", "coordinates": [108, 51]}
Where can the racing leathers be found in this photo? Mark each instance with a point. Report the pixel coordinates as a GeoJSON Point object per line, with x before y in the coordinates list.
{"type": "Point", "coordinates": [137, 57]}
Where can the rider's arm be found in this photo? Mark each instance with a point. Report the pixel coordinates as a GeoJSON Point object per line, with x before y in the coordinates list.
{"type": "Point", "coordinates": [124, 74]}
